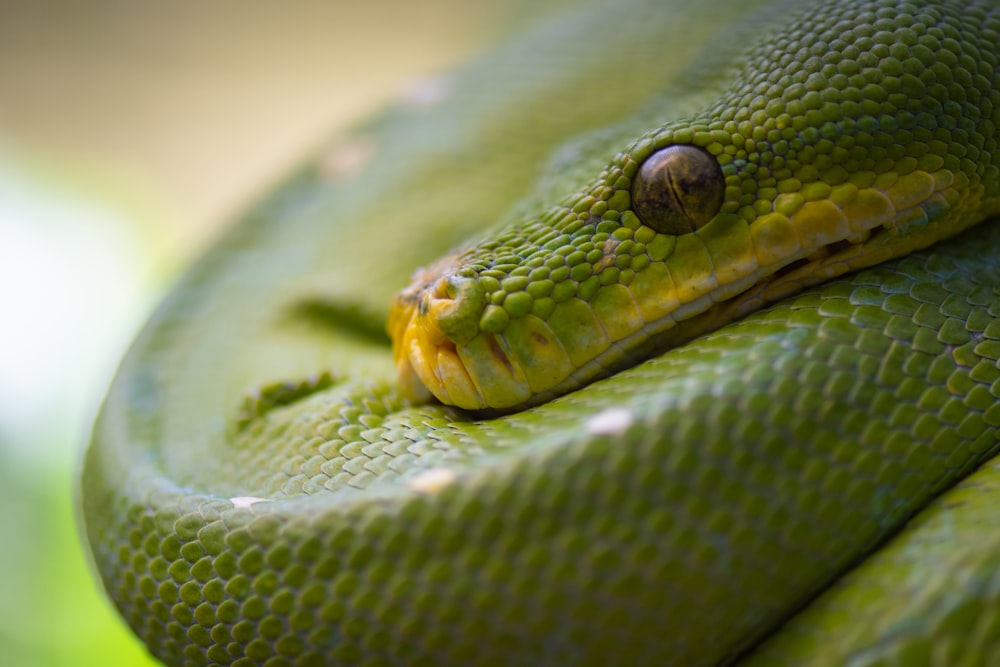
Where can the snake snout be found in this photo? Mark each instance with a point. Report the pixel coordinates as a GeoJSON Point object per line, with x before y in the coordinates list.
{"type": "Point", "coordinates": [429, 323]}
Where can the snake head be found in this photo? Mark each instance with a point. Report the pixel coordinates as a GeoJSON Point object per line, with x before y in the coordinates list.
{"type": "Point", "coordinates": [645, 258]}
{"type": "Point", "coordinates": [796, 175]}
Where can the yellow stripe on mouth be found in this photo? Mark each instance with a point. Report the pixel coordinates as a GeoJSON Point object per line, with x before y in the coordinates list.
{"type": "Point", "coordinates": [451, 342]}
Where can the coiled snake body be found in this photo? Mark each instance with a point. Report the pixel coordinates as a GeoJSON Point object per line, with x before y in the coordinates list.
{"type": "Point", "coordinates": [626, 479]}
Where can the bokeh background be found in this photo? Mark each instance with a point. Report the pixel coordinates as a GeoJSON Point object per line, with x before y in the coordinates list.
{"type": "Point", "coordinates": [130, 133]}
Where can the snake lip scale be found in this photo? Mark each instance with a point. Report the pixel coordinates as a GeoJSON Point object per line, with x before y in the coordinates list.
{"type": "Point", "coordinates": [712, 377]}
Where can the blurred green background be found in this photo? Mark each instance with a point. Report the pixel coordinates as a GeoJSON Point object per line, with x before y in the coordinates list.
{"type": "Point", "coordinates": [130, 132]}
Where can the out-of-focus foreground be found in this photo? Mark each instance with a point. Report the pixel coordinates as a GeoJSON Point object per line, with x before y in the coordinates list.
{"type": "Point", "coordinates": [129, 133]}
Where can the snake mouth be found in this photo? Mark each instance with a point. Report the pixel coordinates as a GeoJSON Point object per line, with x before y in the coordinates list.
{"type": "Point", "coordinates": [485, 350]}
{"type": "Point", "coordinates": [437, 353]}
{"type": "Point", "coordinates": [529, 364]}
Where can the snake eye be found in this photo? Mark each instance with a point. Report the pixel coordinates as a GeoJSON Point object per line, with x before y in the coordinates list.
{"type": "Point", "coordinates": [678, 189]}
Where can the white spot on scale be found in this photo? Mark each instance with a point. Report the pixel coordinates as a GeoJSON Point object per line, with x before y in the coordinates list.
{"type": "Point", "coordinates": [613, 421]}
{"type": "Point", "coordinates": [432, 480]}
{"type": "Point", "coordinates": [246, 501]}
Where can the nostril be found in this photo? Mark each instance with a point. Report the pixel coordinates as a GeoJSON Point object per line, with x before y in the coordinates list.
{"type": "Point", "coordinates": [443, 289]}
{"type": "Point", "coordinates": [458, 309]}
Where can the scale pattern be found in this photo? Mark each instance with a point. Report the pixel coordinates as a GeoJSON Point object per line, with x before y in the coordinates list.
{"type": "Point", "coordinates": [679, 512]}
{"type": "Point", "coordinates": [853, 406]}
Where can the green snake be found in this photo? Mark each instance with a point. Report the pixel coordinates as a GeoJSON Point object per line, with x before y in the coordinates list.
{"type": "Point", "coordinates": [710, 383]}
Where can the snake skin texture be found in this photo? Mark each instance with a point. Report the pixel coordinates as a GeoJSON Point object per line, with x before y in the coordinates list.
{"type": "Point", "coordinates": [813, 484]}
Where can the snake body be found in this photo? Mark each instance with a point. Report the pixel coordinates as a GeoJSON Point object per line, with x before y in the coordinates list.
{"type": "Point", "coordinates": [813, 483]}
